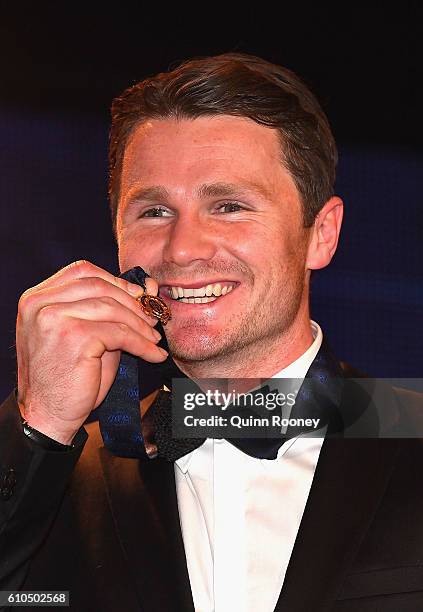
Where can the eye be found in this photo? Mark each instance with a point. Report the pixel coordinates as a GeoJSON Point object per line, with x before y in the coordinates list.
{"type": "Point", "coordinates": [229, 207]}
{"type": "Point", "coordinates": [157, 211]}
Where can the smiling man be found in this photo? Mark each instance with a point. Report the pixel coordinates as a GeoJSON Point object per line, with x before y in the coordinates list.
{"type": "Point", "coordinates": [223, 221]}
{"type": "Point", "coordinates": [221, 189]}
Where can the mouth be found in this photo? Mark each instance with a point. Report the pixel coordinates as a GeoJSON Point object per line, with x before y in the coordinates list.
{"type": "Point", "coordinates": [200, 294]}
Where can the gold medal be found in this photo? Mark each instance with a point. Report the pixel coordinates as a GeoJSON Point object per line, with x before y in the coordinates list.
{"type": "Point", "coordinates": [153, 306]}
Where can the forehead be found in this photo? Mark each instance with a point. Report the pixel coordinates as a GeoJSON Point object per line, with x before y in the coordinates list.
{"type": "Point", "coordinates": [177, 152]}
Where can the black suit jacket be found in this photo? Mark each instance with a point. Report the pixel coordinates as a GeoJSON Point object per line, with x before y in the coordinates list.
{"type": "Point", "coordinates": [107, 528]}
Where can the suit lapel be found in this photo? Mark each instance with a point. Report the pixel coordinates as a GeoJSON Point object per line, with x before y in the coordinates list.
{"type": "Point", "coordinates": [143, 501]}
{"type": "Point", "coordinates": [349, 482]}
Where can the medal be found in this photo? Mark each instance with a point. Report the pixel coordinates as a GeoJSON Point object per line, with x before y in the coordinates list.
{"type": "Point", "coordinates": [153, 306]}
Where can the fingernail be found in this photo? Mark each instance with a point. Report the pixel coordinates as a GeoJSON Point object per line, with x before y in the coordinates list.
{"type": "Point", "coordinates": [156, 334]}
{"type": "Point", "coordinates": [162, 351]}
{"type": "Point", "coordinates": [135, 290]}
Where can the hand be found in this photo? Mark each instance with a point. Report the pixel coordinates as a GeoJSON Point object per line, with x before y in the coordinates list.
{"type": "Point", "coordinates": [70, 331]}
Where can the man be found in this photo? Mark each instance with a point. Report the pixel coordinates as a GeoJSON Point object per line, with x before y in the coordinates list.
{"type": "Point", "coordinates": [221, 187]}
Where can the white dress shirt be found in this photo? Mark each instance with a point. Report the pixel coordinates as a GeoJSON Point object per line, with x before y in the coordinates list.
{"type": "Point", "coordinates": [240, 515]}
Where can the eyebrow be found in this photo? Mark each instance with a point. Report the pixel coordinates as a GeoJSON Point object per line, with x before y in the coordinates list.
{"type": "Point", "coordinates": [152, 194]}
{"type": "Point", "coordinates": [158, 193]}
{"type": "Point", "coordinates": [230, 189]}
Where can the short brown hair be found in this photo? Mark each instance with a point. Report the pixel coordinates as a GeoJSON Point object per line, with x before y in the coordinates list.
{"type": "Point", "coordinates": [243, 86]}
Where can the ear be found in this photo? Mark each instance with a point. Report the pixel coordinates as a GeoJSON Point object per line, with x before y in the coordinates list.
{"type": "Point", "coordinates": [325, 234]}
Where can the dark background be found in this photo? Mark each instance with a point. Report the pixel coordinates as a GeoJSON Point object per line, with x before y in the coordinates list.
{"type": "Point", "coordinates": [62, 64]}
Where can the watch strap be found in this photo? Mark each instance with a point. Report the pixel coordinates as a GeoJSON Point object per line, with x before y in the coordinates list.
{"type": "Point", "coordinates": [44, 441]}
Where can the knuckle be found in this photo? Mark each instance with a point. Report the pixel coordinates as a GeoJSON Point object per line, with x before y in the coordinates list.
{"type": "Point", "coordinates": [82, 264]}
{"type": "Point", "coordinates": [94, 284]}
{"type": "Point", "coordinates": [108, 301]}
{"type": "Point", "coordinates": [124, 329]}
{"type": "Point", "coordinates": [82, 267]}
{"type": "Point", "coordinates": [27, 302]}
{"type": "Point", "coordinates": [47, 316]}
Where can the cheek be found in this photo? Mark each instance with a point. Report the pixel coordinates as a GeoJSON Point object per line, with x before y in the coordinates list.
{"type": "Point", "coordinates": [266, 247]}
{"type": "Point", "coordinates": [251, 241]}
{"type": "Point", "coordinates": [136, 250]}
{"type": "Point", "coordinates": [274, 256]}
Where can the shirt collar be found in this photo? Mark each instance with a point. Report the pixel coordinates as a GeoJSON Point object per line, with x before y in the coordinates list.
{"type": "Point", "coordinates": [299, 367]}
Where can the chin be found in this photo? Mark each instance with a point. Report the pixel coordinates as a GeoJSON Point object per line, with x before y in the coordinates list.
{"type": "Point", "coordinates": [199, 347]}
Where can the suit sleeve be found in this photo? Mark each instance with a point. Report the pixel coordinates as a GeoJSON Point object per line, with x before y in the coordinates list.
{"type": "Point", "coordinates": [32, 484]}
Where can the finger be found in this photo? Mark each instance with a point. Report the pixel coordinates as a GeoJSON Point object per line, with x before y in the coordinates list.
{"type": "Point", "coordinates": [103, 309]}
{"type": "Point", "coordinates": [85, 269]}
{"type": "Point", "coordinates": [107, 336]}
{"type": "Point", "coordinates": [79, 289]}
{"type": "Point", "coordinates": [152, 286]}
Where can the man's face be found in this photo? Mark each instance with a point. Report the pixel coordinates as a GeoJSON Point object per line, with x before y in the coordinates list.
{"type": "Point", "coordinates": [207, 202]}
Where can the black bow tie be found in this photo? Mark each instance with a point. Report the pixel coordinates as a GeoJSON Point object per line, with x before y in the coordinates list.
{"type": "Point", "coordinates": [126, 434]}
{"type": "Point", "coordinates": [160, 441]}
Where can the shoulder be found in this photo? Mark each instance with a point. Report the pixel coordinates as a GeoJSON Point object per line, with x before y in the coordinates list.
{"type": "Point", "coordinates": [391, 411]}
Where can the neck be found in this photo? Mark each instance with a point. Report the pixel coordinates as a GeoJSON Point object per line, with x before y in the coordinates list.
{"type": "Point", "coordinates": [261, 360]}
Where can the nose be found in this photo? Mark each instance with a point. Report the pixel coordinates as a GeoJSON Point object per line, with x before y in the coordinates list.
{"type": "Point", "coordinates": [190, 239]}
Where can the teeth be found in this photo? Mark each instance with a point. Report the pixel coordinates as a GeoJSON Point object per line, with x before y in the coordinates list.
{"type": "Point", "coordinates": [214, 290]}
{"type": "Point", "coordinates": [203, 300]}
